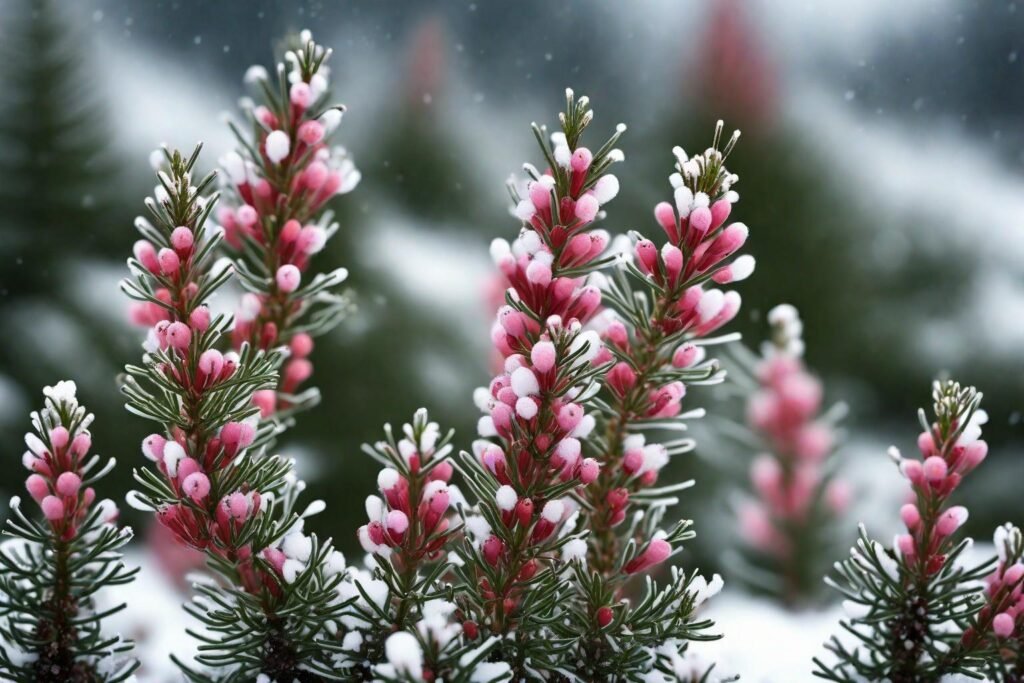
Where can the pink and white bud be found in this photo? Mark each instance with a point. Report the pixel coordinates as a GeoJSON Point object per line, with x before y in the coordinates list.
{"type": "Point", "coordinates": [589, 471]}
{"type": "Point", "coordinates": [656, 552]}
{"type": "Point", "coordinates": [543, 356]}
{"type": "Point", "coordinates": [178, 336]}
{"type": "Point", "coordinates": [935, 469]}
{"type": "Point", "coordinates": [196, 486]}
{"type": "Point", "coordinates": [182, 239]}
{"type": "Point", "coordinates": [951, 520]}
{"type": "Point", "coordinates": [587, 207]}
{"type": "Point", "coordinates": [1003, 625]}
{"type": "Point", "coordinates": [169, 261]}
{"type": "Point", "coordinates": [288, 278]}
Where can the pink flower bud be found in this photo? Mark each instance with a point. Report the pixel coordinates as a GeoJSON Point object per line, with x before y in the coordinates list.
{"type": "Point", "coordinates": [672, 257]}
{"type": "Point", "coordinates": [512, 321]}
{"type": "Point", "coordinates": [700, 220]}
{"type": "Point", "coordinates": [312, 239]}
{"type": "Point", "coordinates": [182, 239]}
{"type": "Point", "coordinates": [1013, 575]}
{"type": "Point", "coordinates": [169, 261]}
{"type": "Point", "coordinates": [53, 508]}
{"type": "Point", "coordinates": [621, 378]}
{"type": "Point", "coordinates": [974, 454]}
{"type": "Point", "coordinates": [199, 319]}
{"type": "Point", "coordinates": [146, 255]}
{"type": "Point", "coordinates": [543, 356]}
{"type": "Point", "coordinates": [288, 278]}
{"type": "Point", "coordinates": [266, 401]}
{"type": "Point", "coordinates": [906, 546]}
{"type": "Point", "coordinates": [926, 444]}
{"type": "Point", "coordinates": [910, 515]}
{"type": "Point", "coordinates": [300, 94]}
{"type": "Point", "coordinates": [686, 355]}
{"type": "Point", "coordinates": [569, 416]}
{"type": "Point", "coordinates": [81, 444]}
{"type": "Point", "coordinates": [589, 470]}
{"type": "Point", "coordinates": [238, 506]}
{"type": "Point", "coordinates": [647, 256]}
{"type": "Point", "coordinates": [632, 461]}
{"type": "Point", "coordinates": [666, 217]}
{"type": "Point", "coordinates": [59, 437]}
{"type": "Point", "coordinates": [951, 520]}
{"type": "Point", "coordinates": [68, 484]}
{"type": "Point", "coordinates": [912, 470]}
{"type": "Point", "coordinates": [492, 549]}
{"type": "Point", "coordinates": [397, 522]}
{"type": "Point", "coordinates": [438, 503]}
{"type": "Point", "coordinates": [935, 469]}
{"type": "Point", "coordinates": [311, 132]}
{"type": "Point", "coordinates": [720, 211]}
{"type": "Point", "coordinates": [37, 487]}
{"type": "Point", "coordinates": [587, 207]}
{"type": "Point", "coordinates": [178, 336]}
{"type": "Point", "coordinates": [1002, 625]}
{"type": "Point", "coordinates": [211, 362]}
{"type": "Point", "coordinates": [196, 486]}
{"type": "Point", "coordinates": [538, 273]}
{"type": "Point", "coordinates": [153, 447]}
{"type": "Point", "coordinates": [657, 551]}
{"type": "Point", "coordinates": [581, 159]}
{"type": "Point", "coordinates": [301, 345]}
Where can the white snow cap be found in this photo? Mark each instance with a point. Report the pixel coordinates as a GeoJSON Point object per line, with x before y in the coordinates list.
{"type": "Point", "coordinates": [506, 498]}
{"type": "Point", "coordinates": [553, 511]}
{"type": "Point", "coordinates": [404, 653]}
{"type": "Point", "coordinates": [576, 549]}
{"type": "Point", "coordinates": [278, 145]}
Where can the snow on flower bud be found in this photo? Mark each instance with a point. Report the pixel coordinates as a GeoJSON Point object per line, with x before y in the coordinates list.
{"type": "Point", "coordinates": [589, 471]}
{"type": "Point", "coordinates": [312, 239]}
{"type": "Point", "coordinates": [687, 355]}
{"type": "Point", "coordinates": [288, 278]}
{"type": "Point", "coordinates": [553, 511]}
{"type": "Point", "coordinates": [211, 362]}
{"type": "Point", "coordinates": [277, 146]}
{"type": "Point", "coordinates": [179, 336]}
{"type": "Point", "coordinates": [951, 520]}
{"type": "Point", "coordinates": [606, 189]}
{"type": "Point", "coordinates": [524, 382]}
{"type": "Point", "coordinates": [153, 447]}
{"type": "Point", "coordinates": [196, 486]}
{"type": "Point", "coordinates": [543, 356]}
{"type": "Point", "coordinates": [199, 318]}
{"type": "Point", "coordinates": [397, 522]}
{"type": "Point", "coordinates": [506, 498]}
{"type": "Point", "coordinates": [146, 255]}
{"type": "Point", "coordinates": [526, 408]}
{"type": "Point", "coordinates": [587, 207]}
{"type": "Point", "coordinates": [182, 239]}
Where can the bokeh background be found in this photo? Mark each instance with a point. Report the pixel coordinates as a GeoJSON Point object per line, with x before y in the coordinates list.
{"type": "Point", "coordinates": [881, 166]}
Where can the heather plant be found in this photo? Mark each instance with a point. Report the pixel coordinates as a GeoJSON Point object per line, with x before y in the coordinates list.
{"type": "Point", "coordinates": [544, 570]}
{"type": "Point", "coordinates": [788, 524]}
{"type": "Point", "coordinates": [273, 604]}
{"type": "Point", "coordinates": [917, 611]}
{"type": "Point", "coordinates": [61, 556]}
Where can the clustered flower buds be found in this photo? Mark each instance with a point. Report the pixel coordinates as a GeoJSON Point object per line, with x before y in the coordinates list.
{"type": "Point", "coordinates": [950, 448]}
{"type": "Point", "coordinates": [653, 339]}
{"type": "Point", "coordinates": [62, 556]}
{"type": "Point", "coordinates": [212, 484]}
{"type": "Point", "coordinates": [279, 182]}
{"type": "Point", "coordinates": [795, 496]}
{"type": "Point", "coordinates": [58, 457]}
{"type": "Point", "coordinates": [917, 611]}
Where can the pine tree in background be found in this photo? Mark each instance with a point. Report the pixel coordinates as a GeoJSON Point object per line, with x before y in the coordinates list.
{"type": "Point", "coordinates": [50, 629]}
{"type": "Point", "coordinates": [916, 613]}
{"type": "Point", "coordinates": [57, 174]}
